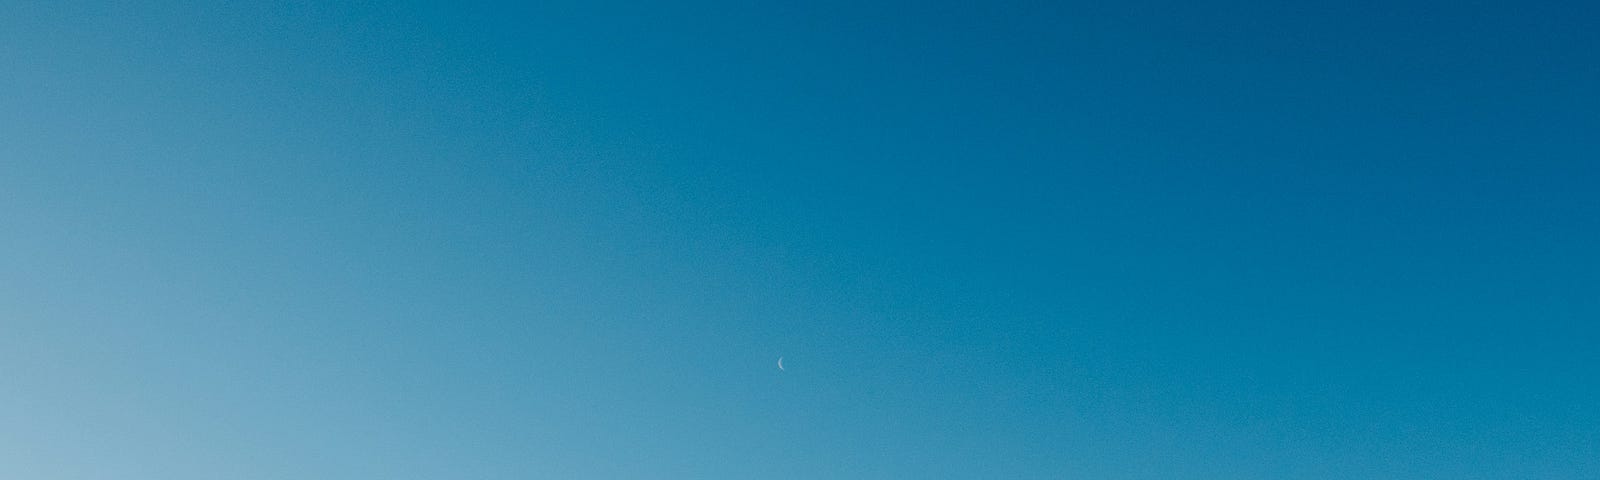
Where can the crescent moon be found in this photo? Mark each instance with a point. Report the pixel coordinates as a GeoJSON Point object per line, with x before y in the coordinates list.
{"type": "Point", "coordinates": [780, 363]}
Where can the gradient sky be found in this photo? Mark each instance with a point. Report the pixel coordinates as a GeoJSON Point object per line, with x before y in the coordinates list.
{"type": "Point", "coordinates": [1032, 240]}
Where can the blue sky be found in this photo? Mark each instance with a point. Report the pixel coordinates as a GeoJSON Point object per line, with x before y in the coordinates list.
{"type": "Point", "coordinates": [1191, 240]}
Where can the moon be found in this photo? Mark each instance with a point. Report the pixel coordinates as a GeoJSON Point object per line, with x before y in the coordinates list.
{"type": "Point", "coordinates": [780, 363]}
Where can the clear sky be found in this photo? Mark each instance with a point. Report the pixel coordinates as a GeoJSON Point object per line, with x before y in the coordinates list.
{"type": "Point", "coordinates": [570, 240]}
